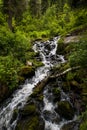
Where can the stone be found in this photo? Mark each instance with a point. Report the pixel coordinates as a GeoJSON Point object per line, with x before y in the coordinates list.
{"type": "Point", "coordinates": [57, 94]}
{"type": "Point", "coordinates": [28, 110]}
{"type": "Point", "coordinates": [15, 114]}
{"type": "Point", "coordinates": [31, 123]}
{"type": "Point", "coordinates": [65, 110]}
{"type": "Point", "coordinates": [28, 63]}
{"type": "Point", "coordinates": [27, 71]}
{"type": "Point", "coordinates": [49, 116]}
{"type": "Point", "coordinates": [74, 125]}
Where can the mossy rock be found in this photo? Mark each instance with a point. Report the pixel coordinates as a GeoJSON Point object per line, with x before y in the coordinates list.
{"type": "Point", "coordinates": [65, 110]}
{"type": "Point", "coordinates": [70, 76]}
{"type": "Point", "coordinates": [57, 94]}
{"type": "Point", "coordinates": [49, 116]}
{"type": "Point", "coordinates": [28, 110]}
{"type": "Point", "coordinates": [75, 86]}
{"type": "Point", "coordinates": [31, 123]}
{"type": "Point", "coordinates": [56, 91]}
{"type": "Point", "coordinates": [40, 98]}
{"type": "Point", "coordinates": [71, 126]}
{"type": "Point", "coordinates": [66, 87]}
{"type": "Point", "coordinates": [27, 71]}
{"type": "Point", "coordinates": [15, 114]}
{"type": "Point", "coordinates": [21, 79]}
{"type": "Point", "coordinates": [39, 88]}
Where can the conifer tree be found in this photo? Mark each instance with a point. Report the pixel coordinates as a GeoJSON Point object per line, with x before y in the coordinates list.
{"type": "Point", "coordinates": [13, 9]}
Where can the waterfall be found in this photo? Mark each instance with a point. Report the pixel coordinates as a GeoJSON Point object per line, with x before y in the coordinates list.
{"type": "Point", "coordinates": [19, 98]}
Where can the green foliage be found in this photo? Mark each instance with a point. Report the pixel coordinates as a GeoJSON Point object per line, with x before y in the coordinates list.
{"type": "Point", "coordinates": [13, 44]}
{"type": "Point", "coordinates": [13, 48]}
{"type": "Point", "coordinates": [8, 71]}
{"type": "Point", "coordinates": [61, 46]}
{"type": "Point", "coordinates": [79, 56]}
{"type": "Point", "coordinates": [81, 17]}
{"type": "Point", "coordinates": [83, 125]}
{"type": "Point", "coordinates": [55, 18]}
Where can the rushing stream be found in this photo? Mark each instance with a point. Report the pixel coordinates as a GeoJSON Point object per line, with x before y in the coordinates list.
{"type": "Point", "coordinates": [19, 98]}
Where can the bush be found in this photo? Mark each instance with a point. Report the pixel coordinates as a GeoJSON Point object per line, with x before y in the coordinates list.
{"type": "Point", "coordinates": [13, 48]}
{"type": "Point", "coordinates": [8, 71]}
{"type": "Point", "coordinates": [79, 56]}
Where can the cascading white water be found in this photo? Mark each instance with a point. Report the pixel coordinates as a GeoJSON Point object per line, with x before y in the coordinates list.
{"type": "Point", "coordinates": [19, 98]}
{"type": "Point", "coordinates": [52, 119]}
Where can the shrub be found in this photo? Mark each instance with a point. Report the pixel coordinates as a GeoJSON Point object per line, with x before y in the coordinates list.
{"type": "Point", "coordinates": [8, 71]}
{"type": "Point", "coordinates": [79, 56]}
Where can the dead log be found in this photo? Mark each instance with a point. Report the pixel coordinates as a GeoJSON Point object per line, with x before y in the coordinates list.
{"type": "Point", "coordinates": [64, 72]}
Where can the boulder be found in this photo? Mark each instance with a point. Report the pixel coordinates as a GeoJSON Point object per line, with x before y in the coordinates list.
{"type": "Point", "coordinates": [71, 126]}
{"type": "Point", "coordinates": [14, 117]}
{"type": "Point", "coordinates": [28, 110]}
{"type": "Point", "coordinates": [65, 110]}
{"type": "Point", "coordinates": [57, 94]}
{"type": "Point", "coordinates": [49, 116]}
{"type": "Point", "coordinates": [31, 123]}
{"type": "Point", "coordinates": [27, 71]}
{"type": "Point", "coordinates": [29, 118]}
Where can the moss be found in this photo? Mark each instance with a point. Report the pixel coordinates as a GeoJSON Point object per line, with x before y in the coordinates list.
{"type": "Point", "coordinates": [56, 91]}
{"type": "Point", "coordinates": [39, 88]}
{"type": "Point", "coordinates": [66, 86]}
{"type": "Point", "coordinates": [37, 63]}
{"type": "Point", "coordinates": [57, 94]}
{"type": "Point", "coordinates": [29, 124]}
{"type": "Point", "coordinates": [83, 125]}
{"type": "Point", "coordinates": [69, 76]}
{"type": "Point", "coordinates": [28, 110]}
{"type": "Point", "coordinates": [35, 93]}
{"type": "Point", "coordinates": [21, 79]}
{"type": "Point", "coordinates": [40, 98]}
{"type": "Point", "coordinates": [27, 71]}
{"type": "Point", "coordinates": [65, 110]}
{"type": "Point", "coordinates": [61, 46]}
{"type": "Point", "coordinates": [75, 83]}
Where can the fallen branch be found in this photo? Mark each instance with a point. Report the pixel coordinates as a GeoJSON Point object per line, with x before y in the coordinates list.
{"type": "Point", "coordinates": [43, 83]}
{"type": "Point", "coordinates": [65, 72]}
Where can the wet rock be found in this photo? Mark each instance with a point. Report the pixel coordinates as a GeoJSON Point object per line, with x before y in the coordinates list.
{"type": "Point", "coordinates": [29, 117]}
{"type": "Point", "coordinates": [65, 110]}
{"type": "Point", "coordinates": [4, 128]}
{"type": "Point", "coordinates": [31, 123]}
{"type": "Point", "coordinates": [47, 46]}
{"type": "Point", "coordinates": [53, 57]}
{"type": "Point", "coordinates": [28, 110]}
{"type": "Point", "coordinates": [14, 117]}
{"type": "Point", "coordinates": [49, 116]}
{"type": "Point", "coordinates": [71, 126]}
{"type": "Point", "coordinates": [57, 94]}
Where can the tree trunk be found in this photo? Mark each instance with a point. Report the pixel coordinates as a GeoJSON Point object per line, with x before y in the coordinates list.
{"type": "Point", "coordinates": [10, 20]}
